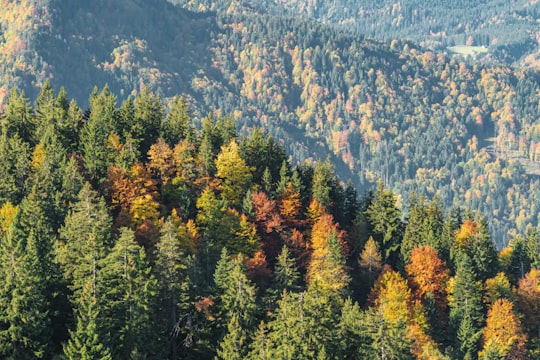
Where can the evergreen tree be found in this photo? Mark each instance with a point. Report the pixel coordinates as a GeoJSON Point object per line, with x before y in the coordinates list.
{"type": "Point", "coordinates": [86, 341]}
{"type": "Point", "coordinates": [17, 118]}
{"type": "Point", "coordinates": [172, 263]}
{"type": "Point", "coordinates": [95, 132]}
{"type": "Point", "coordinates": [466, 309]}
{"type": "Point", "coordinates": [25, 319]}
{"type": "Point", "coordinates": [286, 275]}
{"type": "Point", "coordinates": [84, 239]}
{"type": "Point", "coordinates": [126, 299]}
{"type": "Point", "coordinates": [148, 115]}
{"type": "Point", "coordinates": [385, 218]}
{"type": "Point", "coordinates": [177, 125]}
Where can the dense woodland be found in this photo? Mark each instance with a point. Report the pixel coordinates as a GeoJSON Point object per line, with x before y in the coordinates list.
{"type": "Point", "coordinates": [128, 232]}
{"type": "Point", "coordinates": [508, 28]}
{"type": "Point", "coordinates": [462, 131]}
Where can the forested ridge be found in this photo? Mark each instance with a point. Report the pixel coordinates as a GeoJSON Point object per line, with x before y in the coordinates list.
{"type": "Point", "coordinates": [128, 232]}
{"type": "Point", "coordinates": [463, 131]}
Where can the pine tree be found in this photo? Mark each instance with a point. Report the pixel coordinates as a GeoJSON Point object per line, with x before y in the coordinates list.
{"type": "Point", "coordinates": [95, 132]}
{"type": "Point", "coordinates": [466, 309]}
{"type": "Point", "coordinates": [86, 341]}
{"type": "Point", "coordinates": [172, 263]}
{"type": "Point", "coordinates": [385, 218]}
{"type": "Point", "coordinates": [25, 319]}
{"type": "Point", "coordinates": [84, 239]}
{"type": "Point", "coordinates": [127, 293]}
{"type": "Point", "coordinates": [177, 126]}
{"type": "Point", "coordinates": [148, 115]}
{"type": "Point", "coordinates": [286, 274]}
{"type": "Point", "coordinates": [234, 344]}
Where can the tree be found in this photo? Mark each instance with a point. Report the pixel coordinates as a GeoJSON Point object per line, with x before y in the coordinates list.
{"type": "Point", "coordinates": [95, 133]}
{"type": "Point", "coordinates": [528, 304]}
{"type": "Point", "coordinates": [84, 239]}
{"type": "Point", "coordinates": [370, 261]}
{"type": "Point", "coordinates": [385, 218]}
{"type": "Point", "coordinates": [503, 332]}
{"type": "Point", "coordinates": [473, 240]}
{"type": "Point", "coordinates": [127, 292]}
{"type": "Point", "coordinates": [286, 275]}
{"type": "Point", "coordinates": [172, 264]}
{"type": "Point", "coordinates": [86, 341]}
{"type": "Point", "coordinates": [234, 174]}
{"type": "Point", "coordinates": [235, 291]}
{"type": "Point", "coordinates": [428, 273]}
{"type": "Point", "coordinates": [177, 125]}
{"type": "Point", "coordinates": [17, 118]}
{"type": "Point", "coordinates": [466, 309]}
{"type": "Point", "coordinates": [496, 288]}
{"type": "Point", "coordinates": [25, 318]}
{"type": "Point", "coordinates": [326, 273]}
{"type": "Point", "coordinates": [148, 116]}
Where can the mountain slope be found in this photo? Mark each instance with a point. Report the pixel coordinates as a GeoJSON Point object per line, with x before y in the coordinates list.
{"type": "Point", "coordinates": [419, 120]}
{"type": "Point", "coordinates": [510, 29]}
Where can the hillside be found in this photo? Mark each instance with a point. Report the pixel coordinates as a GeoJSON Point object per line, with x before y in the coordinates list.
{"type": "Point", "coordinates": [509, 29]}
{"type": "Point", "coordinates": [127, 233]}
{"type": "Point", "coordinates": [419, 120]}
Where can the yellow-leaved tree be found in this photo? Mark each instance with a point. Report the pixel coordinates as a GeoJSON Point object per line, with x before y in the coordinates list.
{"type": "Point", "coordinates": [326, 272]}
{"type": "Point", "coordinates": [502, 336]}
{"type": "Point", "coordinates": [233, 173]}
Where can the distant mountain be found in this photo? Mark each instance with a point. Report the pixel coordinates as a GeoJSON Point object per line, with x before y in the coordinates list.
{"type": "Point", "coordinates": [510, 29]}
{"type": "Point", "coordinates": [465, 132]}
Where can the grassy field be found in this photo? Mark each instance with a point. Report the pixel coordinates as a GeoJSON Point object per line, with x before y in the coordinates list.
{"type": "Point", "coordinates": [468, 50]}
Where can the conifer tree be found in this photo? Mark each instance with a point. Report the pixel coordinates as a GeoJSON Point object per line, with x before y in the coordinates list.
{"type": "Point", "coordinates": [86, 340]}
{"type": "Point", "coordinates": [84, 239]}
{"type": "Point", "coordinates": [177, 125]}
{"type": "Point", "coordinates": [385, 218]}
{"type": "Point", "coordinates": [466, 309]}
{"type": "Point", "coordinates": [95, 132]}
{"type": "Point", "coordinates": [127, 293]}
{"type": "Point", "coordinates": [286, 274]}
{"type": "Point", "coordinates": [17, 118]}
{"type": "Point", "coordinates": [148, 115]}
{"type": "Point", "coordinates": [25, 319]}
{"type": "Point", "coordinates": [172, 261]}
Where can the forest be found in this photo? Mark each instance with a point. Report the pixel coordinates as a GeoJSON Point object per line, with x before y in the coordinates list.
{"type": "Point", "coordinates": [128, 232]}
{"type": "Point", "coordinates": [463, 131]}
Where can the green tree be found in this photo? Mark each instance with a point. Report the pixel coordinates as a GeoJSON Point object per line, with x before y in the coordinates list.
{"type": "Point", "coordinates": [385, 218]}
{"type": "Point", "coordinates": [17, 118]}
{"type": "Point", "coordinates": [466, 309]}
{"type": "Point", "coordinates": [86, 341]}
{"type": "Point", "coordinates": [25, 319]}
{"type": "Point", "coordinates": [148, 115]}
{"type": "Point", "coordinates": [84, 239]}
{"type": "Point", "coordinates": [126, 299]}
{"type": "Point", "coordinates": [286, 275]}
{"type": "Point", "coordinates": [95, 132]}
{"type": "Point", "coordinates": [177, 125]}
{"type": "Point", "coordinates": [172, 262]}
